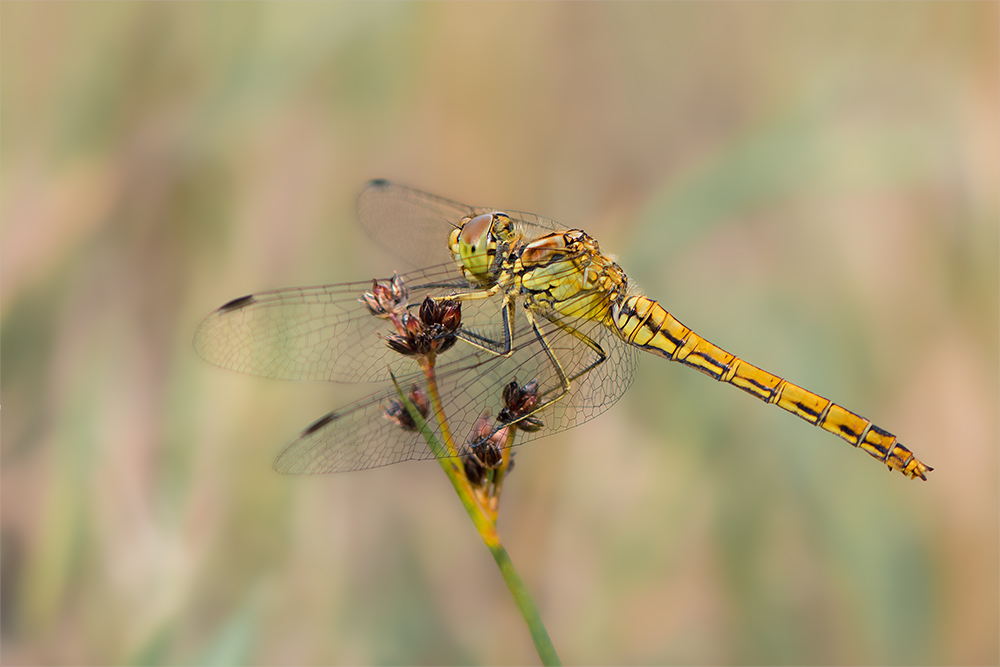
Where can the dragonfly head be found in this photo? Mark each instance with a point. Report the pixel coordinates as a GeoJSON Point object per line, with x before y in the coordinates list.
{"type": "Point", "coordinates": [474, 244]}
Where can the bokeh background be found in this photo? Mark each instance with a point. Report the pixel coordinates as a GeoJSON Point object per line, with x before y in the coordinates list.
{"type": "Point", "coordinates": [811, 186]}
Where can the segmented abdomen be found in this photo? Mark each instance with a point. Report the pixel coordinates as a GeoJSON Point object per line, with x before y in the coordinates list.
{"type": "Point", "coordinates": [645, 324]}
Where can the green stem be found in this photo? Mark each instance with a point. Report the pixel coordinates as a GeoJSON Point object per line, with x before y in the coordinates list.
{"type": "Point", "coordinates": [479, 515]}
{"type": "Point", "coordinates": [539, 635]}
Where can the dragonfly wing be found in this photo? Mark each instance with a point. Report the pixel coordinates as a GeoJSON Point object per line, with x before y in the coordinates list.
{"type": "Point", "coordinates": [356, 437]}
{"type": "Point", "coordinates": [414, 225]}
{"type": "Point", "coordinates": [361, 436]}
{"type": "Point", "coordinates": [471, 382]}
{"type": "Point", "coordinates": [411, 224]}
{"type": "Point", "coordinates": [315, 333]}
{"type": "Point", "coordinates": [598, 364]}
{"type": "Point", "coordinates": [599, 372]}
{"type": "Point", "coordinates": [533, 225]}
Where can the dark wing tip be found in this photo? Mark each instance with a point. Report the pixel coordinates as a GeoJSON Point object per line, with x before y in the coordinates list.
{"type": "Point", "coordinates": [290, 461]}
{"type": "Point", "coordinates": [236, 304]}
{"type": "Point", "coordinates": [372, 187]}
{"type": "Point", "coordinates": [319, 423]}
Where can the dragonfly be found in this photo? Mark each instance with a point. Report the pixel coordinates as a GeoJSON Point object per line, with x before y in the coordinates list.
{"type": "Point", "coordinates": [541, 307]}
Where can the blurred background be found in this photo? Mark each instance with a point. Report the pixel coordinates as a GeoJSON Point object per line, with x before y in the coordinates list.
{"type": "Point", "coordinates": [813, 187]}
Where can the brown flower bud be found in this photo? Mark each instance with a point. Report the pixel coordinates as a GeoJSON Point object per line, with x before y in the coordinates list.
{"type": "Point", "coordinates": [483, 451]}
{"type": "Point", "coordinates": [518, 403]}
{"type": "Point", "coordinates": [474, 470]}
{"type": "Point", "coordinates": [431, 331]}
{"type": "Point", "coordinates": [396, 412]}
{"type": "Point", "coordinates": [387, 298]}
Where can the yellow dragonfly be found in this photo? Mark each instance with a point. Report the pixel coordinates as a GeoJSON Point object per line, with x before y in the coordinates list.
{"type": "Point", "coordinates": [540, 308]}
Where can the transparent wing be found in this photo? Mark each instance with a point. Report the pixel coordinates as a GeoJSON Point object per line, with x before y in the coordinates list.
{"type": "Point", "coordinates": [327, 333]}
{"type": "Point", "coordinates": [414, 225]}
{"type": "Point", "coordinates": [471, 382]}
{"type": "Point", "coordinates": [315, 333]}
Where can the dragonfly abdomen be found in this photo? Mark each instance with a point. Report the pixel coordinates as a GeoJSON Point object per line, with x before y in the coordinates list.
{"type": "Point", "coordinates": [647, 325]}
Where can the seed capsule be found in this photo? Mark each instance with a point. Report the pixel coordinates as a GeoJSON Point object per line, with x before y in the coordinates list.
{"type": "Point", "coordinates": [518, 402]}
{"type": "Point", "coordinates": [397, 413]}
{"type": "Point", "coordinates": [387, 298]}
{"type": "Point", "coordinates": [431, 331]}
{"type": "Point", "coordinates": [483, 451]}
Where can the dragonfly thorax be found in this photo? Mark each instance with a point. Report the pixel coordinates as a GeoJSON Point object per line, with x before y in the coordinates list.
{"type": "Point", "coordinates": [567, 272]}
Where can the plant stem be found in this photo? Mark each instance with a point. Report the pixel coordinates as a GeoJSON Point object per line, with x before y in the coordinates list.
{"type": "Point", "coordinates": [482, 518]}
{"type": "Point", "coordinates": [539, 635]}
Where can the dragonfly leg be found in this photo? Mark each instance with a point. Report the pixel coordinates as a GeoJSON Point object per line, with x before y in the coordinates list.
{"type": "Point", "coordinates": [586, 340]}
{"type": "Point", "coordinates": [478, 295]}
{"type": "Point", "coordinates": [564, 380]}
{"type": "Point", "coordinates": [496, 348]}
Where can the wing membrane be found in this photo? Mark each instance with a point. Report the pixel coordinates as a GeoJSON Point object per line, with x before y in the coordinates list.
{"type": "Point", "coordinates": [313, 333]}
{"type": "Point", "coordinates": [359, 436]}
{"type": "Point", "coordinates": [414, 225]}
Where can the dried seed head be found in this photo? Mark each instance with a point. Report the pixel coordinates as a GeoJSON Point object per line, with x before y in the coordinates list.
{"type": "Point", "coordinates": [451, 318]}
{"type": "Point", "coordinates": [387, 299]}
{"type": "Point", "coordinates": [488, 452]}
{"type": "Point", "coordinates": [518, 402]}
{"type": "Point", "coordinates": [474, 470]}
{"type": "Point", "coordinates": [446, 313]}
{"type": "Point", "coordinates": [431, 331]}
{"type": "Point", "coordinates": [485, 442]}
{"type": "Point", "coordinates": [397, 413]}
{"type": "Point", "coordinates": [483, 451]}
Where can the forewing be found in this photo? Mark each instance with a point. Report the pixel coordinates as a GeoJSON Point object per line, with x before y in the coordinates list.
{"type": "Point", "coordinates": [414, 225]}
{"type": "Point", "coordinates": [317, 333]}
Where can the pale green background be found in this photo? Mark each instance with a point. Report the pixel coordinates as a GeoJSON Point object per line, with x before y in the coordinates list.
{"type": "Point", "coordinates": [811, 186]}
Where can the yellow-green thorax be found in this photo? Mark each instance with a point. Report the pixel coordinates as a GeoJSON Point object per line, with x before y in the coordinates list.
{"type": "Point", "coordinates": [567, 272]}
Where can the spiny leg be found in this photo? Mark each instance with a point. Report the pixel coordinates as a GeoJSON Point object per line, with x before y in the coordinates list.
{"type": "Point", "coordinates": [488, 345]}
{"type": "Point", "coordinates": [482, 342]}
{"type": "Point", "coordinates": [564, 381]}
{"type": "Point", "coordinates": [586, 340]}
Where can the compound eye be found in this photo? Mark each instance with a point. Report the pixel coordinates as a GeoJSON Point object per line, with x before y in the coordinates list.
{"type": "Point", "coordinates": [475, 233]}
{"type": "Point", "coordinates": [475, 246]}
